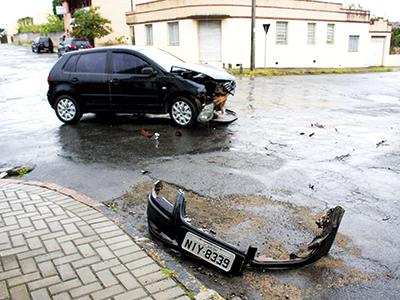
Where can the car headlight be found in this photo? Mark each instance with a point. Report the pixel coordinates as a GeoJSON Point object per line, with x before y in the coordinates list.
{"type": "Point", "coordinates": [206, 114]}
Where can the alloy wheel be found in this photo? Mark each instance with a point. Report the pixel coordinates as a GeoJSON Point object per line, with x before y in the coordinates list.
{"type": "Point", "coordinates": [182, 113]}
{"type": "Point", "coordinates": [66, 109]}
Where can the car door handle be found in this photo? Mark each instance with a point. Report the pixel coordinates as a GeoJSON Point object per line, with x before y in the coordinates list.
{"type": "Point", "coordinates": [75, 80]}
{"type": "Point", "coordinates": [115, 81]}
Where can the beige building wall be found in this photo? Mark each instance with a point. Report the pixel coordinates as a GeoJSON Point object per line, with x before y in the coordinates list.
{"type": "Point", "coordinates": [115, 10]}
{"type": "Point", "coordinates": [235, 19]}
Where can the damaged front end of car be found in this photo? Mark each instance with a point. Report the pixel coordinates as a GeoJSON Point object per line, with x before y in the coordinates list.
{"type": "Point", "coordinates": [218, 85]}
{"type": "Point", "coordinates": [169, 223]}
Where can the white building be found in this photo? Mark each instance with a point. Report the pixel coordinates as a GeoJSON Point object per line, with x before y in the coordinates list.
{"type": "Point", "coordinates": [302, 33]}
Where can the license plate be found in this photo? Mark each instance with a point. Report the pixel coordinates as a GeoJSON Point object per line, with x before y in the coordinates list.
{"type": "Point", "coordinates": [209, 252]}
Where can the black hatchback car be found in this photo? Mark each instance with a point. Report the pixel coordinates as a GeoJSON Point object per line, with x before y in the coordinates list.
{"type": "Point", "coordinates": [40, 44]}
{"type": "Point", "coordinates": [72, 44]}
{"type": "Point", "coordinates": [137, 80]}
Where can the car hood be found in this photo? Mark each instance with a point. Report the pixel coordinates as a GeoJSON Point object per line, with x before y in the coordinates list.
{"type": "Point", "coordinates": [214, 73]}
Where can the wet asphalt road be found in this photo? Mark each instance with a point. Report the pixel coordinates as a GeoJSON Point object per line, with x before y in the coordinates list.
{"type": "Point", "coordinates": [271, 150]}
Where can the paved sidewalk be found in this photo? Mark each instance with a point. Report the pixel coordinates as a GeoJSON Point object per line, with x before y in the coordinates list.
{"type": "Point", "coordinates": [53, 246]}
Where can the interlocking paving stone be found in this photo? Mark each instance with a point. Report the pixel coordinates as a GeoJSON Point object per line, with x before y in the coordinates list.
{"type": "Point", "coordinates": [54, 247]}
{"type": "Point", "coordinates": [132, 295]}
{"type": "Point", "coordinates": [86, 289]}
{"type": "Point", "coordinates": [28, 265]}
{"type": "Point", "coordinates": [19, 293]}
{"type": "Point", "coordinates": [64, 286]}
{"type": "Point", "coordinates": [86, 250]}
{"type": "Point", "coordinates": [66, 272]}
{"type": "Point", "coordinates": [23, 279]}
{"type": "Point", "coordinates": [40, 295]}
{"type": "Point", "coordinates": [62, 296]}
{"type": "Point", "coordinates": [128, 281]}
{"type": "Point", "coordinates": [86, 275]}
{"type": "Point", "coordinates": [107, 278]}
{"type": "Point", "coordinates": [153, 277]}
{"type": "Point", "coordinates": [41, 283]}
{"type": "Point", "coordinates": [47, 269]}
{"type": "Point", "coordinates": [108, 292]}
{"type": "Point", "coordinates": [3, 290]}
{"type": "Point", "coordinates": [169, 294]}
{"type": "Point", "coordinates": [160, 285]}
{"type": "Point", "coordinates": [9, 262]}
{"type": "Point", "coordinates": [146, 270]}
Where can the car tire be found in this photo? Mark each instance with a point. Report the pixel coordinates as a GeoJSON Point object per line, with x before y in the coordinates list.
{"type": "Point", "coordinates": [67, 109]}
{"type": "Point", "coordinates": [183, 112]}
{"type": "Point", "coordinates": [58, 53]}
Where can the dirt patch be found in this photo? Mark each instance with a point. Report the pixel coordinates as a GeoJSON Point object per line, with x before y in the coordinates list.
{"type": "Point", "coordinates": [276, 228]}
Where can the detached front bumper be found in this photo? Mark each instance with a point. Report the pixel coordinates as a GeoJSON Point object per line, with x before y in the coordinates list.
{"type": "Point", "coordinates": [169, 224]}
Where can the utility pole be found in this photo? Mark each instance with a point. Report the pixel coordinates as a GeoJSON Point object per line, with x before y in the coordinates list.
{"type": "Point", "coordinates": [253, 35]}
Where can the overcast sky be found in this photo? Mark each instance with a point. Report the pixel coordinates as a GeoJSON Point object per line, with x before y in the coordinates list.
{"type": "Point", "coordinates": [14, 9]}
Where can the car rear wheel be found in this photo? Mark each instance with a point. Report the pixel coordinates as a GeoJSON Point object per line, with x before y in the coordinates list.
{"type": "Point", "coordinates": [183, 112]}
{"type": "Point", "coordinates": [67, 110]}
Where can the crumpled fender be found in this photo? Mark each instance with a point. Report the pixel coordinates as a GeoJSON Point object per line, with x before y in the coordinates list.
{"type": "Point", "coordinates": [169, 224]}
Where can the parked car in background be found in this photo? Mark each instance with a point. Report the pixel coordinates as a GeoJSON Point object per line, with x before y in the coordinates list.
{"type": "Point", "coordinates": [127, 79]}
{"type": "Point", "coordinates": [72, 44]}
{"type": "Point", "coordinates": [40, 44]}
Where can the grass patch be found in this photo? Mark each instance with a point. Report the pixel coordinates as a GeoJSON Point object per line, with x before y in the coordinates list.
{"type": "Point", "coordinates": [168, 272]}
{"type": "Point", "coordinates": [312, 71]}
{"type": "Point", "coordinates": [23, 171]}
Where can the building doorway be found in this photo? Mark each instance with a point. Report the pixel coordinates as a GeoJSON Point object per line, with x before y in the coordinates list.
{"type": "Point", "coordinates": [210, 41]}
{"type": "Point", "coordinates": [377, 51]}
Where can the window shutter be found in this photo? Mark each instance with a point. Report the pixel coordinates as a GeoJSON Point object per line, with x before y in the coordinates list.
{"type": "Point", "coordinates": [282, 33]}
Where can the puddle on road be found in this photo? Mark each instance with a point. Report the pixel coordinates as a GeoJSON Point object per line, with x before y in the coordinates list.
{"type": "Point", "coordinates": [276, 228]}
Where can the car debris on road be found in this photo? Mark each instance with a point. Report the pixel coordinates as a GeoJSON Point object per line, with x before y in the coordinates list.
{"type": "Point", "coordinates": [170, 224]}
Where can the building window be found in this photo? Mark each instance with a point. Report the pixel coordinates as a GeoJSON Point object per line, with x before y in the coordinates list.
{"type": "Point", "coordinates": [149, 34]}
{"type": "Point", "coordinates": [353, 43]}
{"type": "Point", "coordinates": [330, 34]}
{"type": "Point", "coordinates": [173, 33]}
{"type": "Point", "coordinates": [311, 33]}
{"type": "Point", "coordinates": [281, 33]}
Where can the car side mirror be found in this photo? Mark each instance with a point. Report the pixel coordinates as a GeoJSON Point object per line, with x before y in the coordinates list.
{"type": "Point", "coordinates": [149, 71]}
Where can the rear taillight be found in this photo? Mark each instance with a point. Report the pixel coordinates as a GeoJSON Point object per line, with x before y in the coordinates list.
{"type": "Point", "coordinates": [49, 78]}
{"type": "Point", "coordinates": [72, 46]}
{"type": "Point", "coordinates": [90, 46]}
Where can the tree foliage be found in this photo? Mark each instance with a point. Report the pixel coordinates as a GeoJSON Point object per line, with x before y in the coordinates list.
{"type": "Point", "coordinates": [88, 23]}
{"type": "Point", "coordinates": [54, 24]}
{"type": "Point", "coordinates": [395, 42]}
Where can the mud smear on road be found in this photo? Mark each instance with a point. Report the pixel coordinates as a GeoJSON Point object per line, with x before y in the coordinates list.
{"type": "Point", "coordinates": [275, 227]}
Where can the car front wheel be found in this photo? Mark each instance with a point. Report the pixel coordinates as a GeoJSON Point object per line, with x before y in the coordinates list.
{"type": "Point", "coordinates": [183, 112]}
{"type": "Point", "coordinates": [67, 110]}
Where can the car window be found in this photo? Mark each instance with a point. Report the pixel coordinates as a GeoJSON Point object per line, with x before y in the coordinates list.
{"type": "Point", "coordinates": [43, 40]}
{"type": "Point", "coordinates": [124, 63]}
{"type": "Point", "coordinates": [70, 65]}
{"type": "Point", "coordinates": [92, 63]}
{"type": "Point", "coordinates": [80, 43]}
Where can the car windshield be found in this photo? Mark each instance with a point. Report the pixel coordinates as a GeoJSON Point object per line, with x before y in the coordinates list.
{"type": "Point", "coordinates": [80, 43]}
{"type": "Point", "coordinates": [163, 58]}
